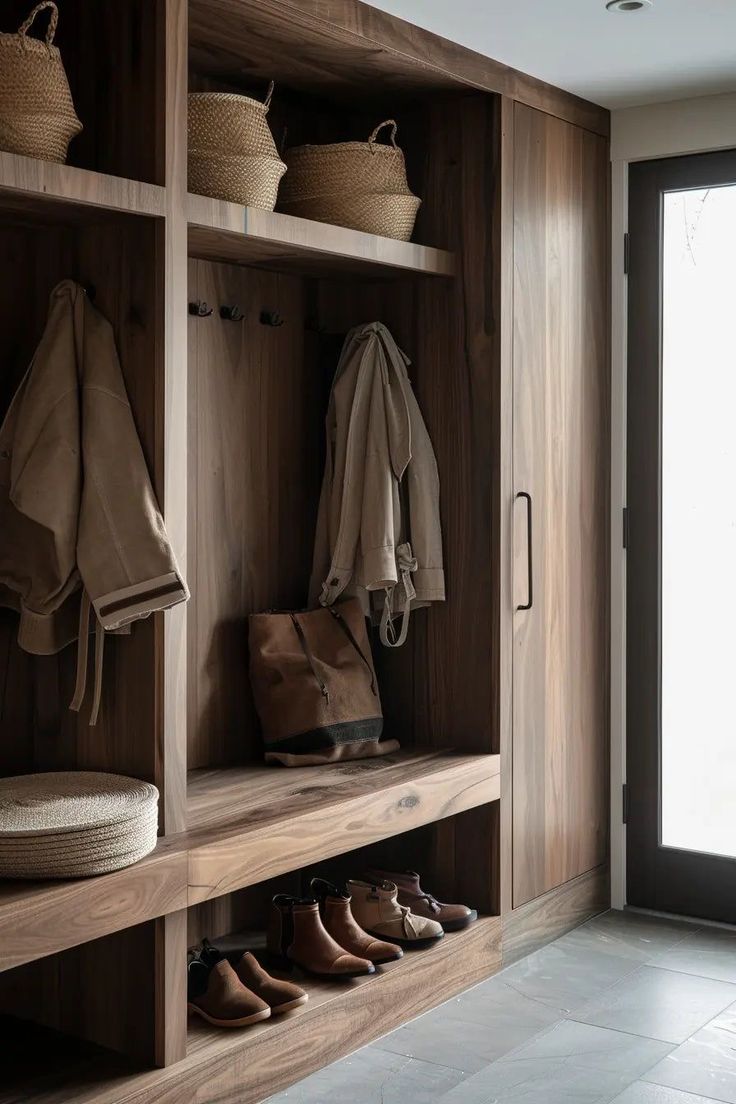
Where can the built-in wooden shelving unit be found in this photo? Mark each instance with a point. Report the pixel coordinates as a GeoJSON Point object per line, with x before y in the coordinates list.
{"type": "Point", "coordinates": [229, 408]}
{"type": "Point", "coordinates": [220, 231]}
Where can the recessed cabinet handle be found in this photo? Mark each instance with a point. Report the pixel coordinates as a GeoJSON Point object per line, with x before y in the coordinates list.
{"type": "Point", "coordinates": [529, 562]}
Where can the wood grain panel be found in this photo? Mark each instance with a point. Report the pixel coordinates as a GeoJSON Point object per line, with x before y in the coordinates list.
{"type": "Point", "coordinates": [170, 988]}
{"type": "Point", "coordinates": [256, 424]}
{"type": "Point", "coordinates": [64, 992]}
{"type": "Point", "coordinates": [45, 188]}
{"type": "Point", "coordinates": [502, 565]}
{"type": "Point", "coordinates": [538, 922]}
{"type": "Point", "coordinates": [172, 438]}
{"type": "Point", "coordinates": [320, 823]}
{"type": "Point", "coordinates": [344, 47]}
{"type": "Point", "coordinates": [41, 918]}
{"type": "Point", "coordinates": [561, 457]}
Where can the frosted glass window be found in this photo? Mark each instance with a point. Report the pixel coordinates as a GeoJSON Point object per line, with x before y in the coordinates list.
{"type": "Point", "coordinates": [699, 521]}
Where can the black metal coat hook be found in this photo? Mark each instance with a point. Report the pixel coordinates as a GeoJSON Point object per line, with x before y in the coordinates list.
{"type": "Point", "coordinates": [232, 314]}
{"type": "Point", "coordinates": [200, 309]}
{"type": "Point", "coordinates": [271, 318]}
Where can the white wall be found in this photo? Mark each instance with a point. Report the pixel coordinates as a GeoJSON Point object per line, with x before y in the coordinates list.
{"type": "Point", "coordinates": [640, 134]}
{"type": "Point", "coordinates": [668, 129]}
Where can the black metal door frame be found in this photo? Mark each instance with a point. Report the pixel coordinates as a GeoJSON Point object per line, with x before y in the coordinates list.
{"type": "Point", "coordinates": [662, 878]}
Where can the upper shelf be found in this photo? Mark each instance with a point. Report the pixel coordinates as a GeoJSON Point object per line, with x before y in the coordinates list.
{"type": "Point", "coordinates": [248, 824]}
{"type": "Point", "coordinates": [34, 187]}
{"type": "Point", "coordinates": [221, 231]}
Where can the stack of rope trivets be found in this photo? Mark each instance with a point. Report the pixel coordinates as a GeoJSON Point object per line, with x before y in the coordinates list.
{"type": "Point", "coordinates": [71, 824]}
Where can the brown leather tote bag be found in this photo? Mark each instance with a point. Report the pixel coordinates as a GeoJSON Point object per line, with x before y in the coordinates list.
{"type": "Point", "coordinates": [315, 686]}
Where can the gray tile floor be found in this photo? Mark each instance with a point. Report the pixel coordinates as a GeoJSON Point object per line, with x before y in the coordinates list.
{"type": "Point", "coordinates": [627, 1009]}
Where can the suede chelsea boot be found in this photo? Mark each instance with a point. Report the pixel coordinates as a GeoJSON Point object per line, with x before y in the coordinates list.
{"type": "Point", "coordinates": [216, 993]}
{"type": "Point", "coordinates": [338, 919]}
{"type": "Point", "coordinates": [296, 935]}
{"type": "Point", "coordinates": [377, 910]}
{"type": "Point", "coordinates": [451, 917]}
{"type": "Point", "coordinates": [281, 996]}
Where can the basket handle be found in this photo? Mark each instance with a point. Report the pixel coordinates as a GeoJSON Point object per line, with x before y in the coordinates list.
{"type": "Point", "coordinates": [269, 94]}
{"type": "Point", "coordinates": [51, 31]}
{"type": "Point", "coordinates": [379, 128]}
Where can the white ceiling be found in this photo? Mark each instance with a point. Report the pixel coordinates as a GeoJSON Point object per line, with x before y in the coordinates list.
{"type": "Point", "coordinates": [673, 50]}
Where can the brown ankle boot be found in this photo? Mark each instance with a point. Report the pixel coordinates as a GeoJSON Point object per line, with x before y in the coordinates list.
{"type": "Point", "coordinates": [451, 917]}
{"type": "Point", "coordinates": [280, 995]}
{"type": "Point", "coordinates": [296, 935]}
{"type": "Point", "coordinates": [340, 923]}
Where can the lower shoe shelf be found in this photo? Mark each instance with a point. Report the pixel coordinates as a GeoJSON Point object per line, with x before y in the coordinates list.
{"type": "Point", "coordinates": [249, 1064]}
{"type": "Point", "coordinates": [341, 1016]}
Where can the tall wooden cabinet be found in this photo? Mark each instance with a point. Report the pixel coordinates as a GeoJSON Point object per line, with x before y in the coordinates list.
{"type": "Point", "coordinates": [560, 460]}
{"type": "Point", "coordinates": [498, 792]}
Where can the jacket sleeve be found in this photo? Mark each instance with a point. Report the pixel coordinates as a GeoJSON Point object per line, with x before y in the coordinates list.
{"type": "Point", "coordinates": [123, 552]}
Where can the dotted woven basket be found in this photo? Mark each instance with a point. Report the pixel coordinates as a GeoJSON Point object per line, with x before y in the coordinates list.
{"type": "Point", "coordinates": [37, 116]}
{"type": "Point", "coordinates": [361, 185]}
{"type": "Point", "coordinates": [74, 824]}
{"type": "Point", "coordinates": [232, 154]}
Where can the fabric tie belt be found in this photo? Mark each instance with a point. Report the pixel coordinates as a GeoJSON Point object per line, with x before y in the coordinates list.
{"type": "Point", "coordinates": [407, 564]}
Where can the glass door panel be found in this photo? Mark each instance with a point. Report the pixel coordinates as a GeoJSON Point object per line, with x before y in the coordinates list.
{"type": "Point", "coordinates": [698, 754]}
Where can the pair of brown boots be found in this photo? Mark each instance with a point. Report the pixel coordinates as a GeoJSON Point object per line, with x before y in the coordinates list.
{"type": "Point", "coordinates": [236, 994]}
{"type": "Point", "coordinates": [320, 935]}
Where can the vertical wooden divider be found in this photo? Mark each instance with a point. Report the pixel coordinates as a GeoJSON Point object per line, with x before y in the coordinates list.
{"type": "Point", "coordinates": [503, 490]}
{"type": "Point", "coordinates": [171, 931]}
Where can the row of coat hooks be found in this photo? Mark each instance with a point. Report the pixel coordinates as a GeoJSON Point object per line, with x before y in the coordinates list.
{"type": "Point", "coordinates": [232, 313]}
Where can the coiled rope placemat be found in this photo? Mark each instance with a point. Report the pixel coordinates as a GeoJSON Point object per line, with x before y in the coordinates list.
{"type": "Point", "coordinates": [74, 823]}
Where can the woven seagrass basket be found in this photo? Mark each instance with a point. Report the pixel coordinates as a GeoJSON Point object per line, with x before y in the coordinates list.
{"type": "Point", "coordinates": [232, 154]}
{"type": "Point", "coordinates": [37, 116]}
{"type": "Point", "coordinates": [361, 185]}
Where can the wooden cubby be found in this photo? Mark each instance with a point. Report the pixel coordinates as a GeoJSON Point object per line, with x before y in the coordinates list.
{"type": "Point", "coordinates": [231, 417]}
{"type": "Point", "coordinates": [113, 53]}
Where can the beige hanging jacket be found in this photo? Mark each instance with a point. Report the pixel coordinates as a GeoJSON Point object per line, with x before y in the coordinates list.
{"type": "Point", "coordinates": [79, 522]}
{"type": "Point", "coordinates": [378, 530]}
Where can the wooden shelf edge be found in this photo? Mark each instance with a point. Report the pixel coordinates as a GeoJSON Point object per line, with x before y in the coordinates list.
{"type": "Point", "coordinates": [337, 817]}
{"type": "Point", "coordinates": [29, 184]}
{"type": "Point", "coordinates": [222, 231]}
{"type": "Point", "coordinates": [40, 918]}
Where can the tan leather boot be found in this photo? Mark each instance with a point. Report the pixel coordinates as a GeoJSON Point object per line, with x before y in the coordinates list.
{"type": "Point", "coordinates": [217, 995]}
{"type": "Point", "coordinates": [451, 917]}
{"type": "Point", "coordinates": [339, 921]}
{"type": "Point", "coordinates": [281, 996]}
{"type": "Point", "coordinates": [377, 910]}
{"type": "Point", "coordinates": [297, 935]}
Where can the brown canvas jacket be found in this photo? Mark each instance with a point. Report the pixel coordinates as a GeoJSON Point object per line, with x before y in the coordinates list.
{"type": "Point", "coordinates": [79, 522]}
{"type": "Point", "coordinates": [378, 529]}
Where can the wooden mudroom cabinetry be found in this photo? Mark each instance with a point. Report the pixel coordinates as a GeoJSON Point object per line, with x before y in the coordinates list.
{"type": "Point", "coordinates": [498, 791]}
{"type": "Point", "coordinates": [560, 459]}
